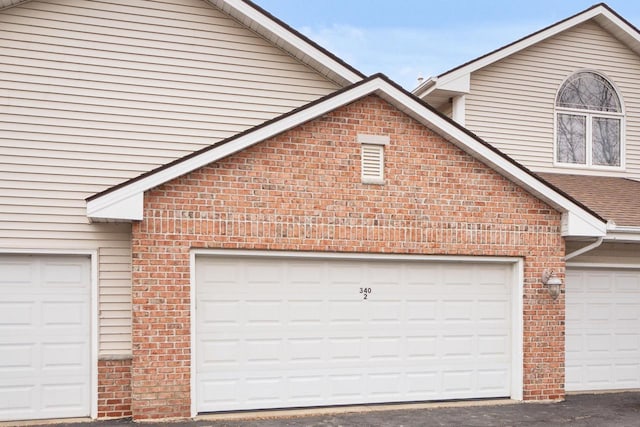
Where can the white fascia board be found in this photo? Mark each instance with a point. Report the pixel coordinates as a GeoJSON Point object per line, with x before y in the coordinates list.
{"type": "Point", "coordinates": [127, 208]}
{"type": "Point", "coordinates": [449, 80]}
{"type": "Point", "coordinates": [622, 237]}
{"type": "Point", "coordinates": [111, 205]}
{"type": "Point", "coordinates": [575, 225]}
{"type": "Point", "coordinates": [126, 203]}
{"type": "Point", "coordinates": [537, 38]}
{"type": "Point", "coordinates": [580, 221]}
{"type": "Point", "coordinates": [283, 37]}
{"type": "Point", "coordinates": [425, 87]}
{"type": "Point", "coordinates": [616, 233]}
{"type": "Point", "coordinates": [460, 83]}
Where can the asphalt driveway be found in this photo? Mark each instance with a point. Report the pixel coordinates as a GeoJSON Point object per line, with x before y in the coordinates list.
{"type": "Point", "coordinates": [593, 410]}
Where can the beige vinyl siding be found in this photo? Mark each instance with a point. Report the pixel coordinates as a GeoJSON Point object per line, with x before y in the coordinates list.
{"type": "Point", "coordinates": [511, 103]}
{"type": "Point", "coordinates": [623, 254]}
{"type": "Point", "coordinates": [93, 93]}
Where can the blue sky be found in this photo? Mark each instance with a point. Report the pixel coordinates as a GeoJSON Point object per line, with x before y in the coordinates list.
{"type": "Point", "coordinates": [408, 38]}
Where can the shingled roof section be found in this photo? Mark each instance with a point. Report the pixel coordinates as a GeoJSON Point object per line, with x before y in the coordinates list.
{"type": "Point", "coordinates": [615, 199]}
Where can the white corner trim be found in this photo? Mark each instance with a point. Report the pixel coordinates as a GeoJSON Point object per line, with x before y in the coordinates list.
{"type": "Point", "coordinates": [95, 332]}
{"type": "Point", "coordinates": [458, 111]}
{"type": "Point", "coordinates": [517, 332]}
{"type": "Point", "coordinates": [194, 323]}
{"type": "Point", "coordinates": [373, 139]}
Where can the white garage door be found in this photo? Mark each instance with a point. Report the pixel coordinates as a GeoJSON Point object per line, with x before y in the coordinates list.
{"type": "Point", "coordinates": [275, 333]}
{"type": "Point", "coordinates": [603, 329]}
{"type": "Point", "coordinates": [44, 337]}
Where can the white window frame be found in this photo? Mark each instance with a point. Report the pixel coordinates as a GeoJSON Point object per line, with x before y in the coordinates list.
{"type": "Point", "coordinates": [589, 116]}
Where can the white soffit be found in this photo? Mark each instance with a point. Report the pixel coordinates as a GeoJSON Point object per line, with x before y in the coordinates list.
{"type": "Point", "coordinates": [600, 13]}
{"type": "Point", "coordinates": [128, 200]}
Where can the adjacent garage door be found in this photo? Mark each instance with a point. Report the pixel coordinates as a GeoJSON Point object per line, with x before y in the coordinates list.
{"type": "Point", "coordinates": [44, 337]}
{"type": "Point", "coordinates": [282, 332]}
{"type": "Point", "coordinates": [603, 329]}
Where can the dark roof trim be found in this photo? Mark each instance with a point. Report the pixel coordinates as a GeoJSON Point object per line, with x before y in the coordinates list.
{"type": "Point", "coordinates": [333, 95]}
{"type": "Point", "coordinates": [231, 138]}
{"type": "Point", "coordinates": [603, 5]}
{"type": "Point", "coordinates": [303, 37]}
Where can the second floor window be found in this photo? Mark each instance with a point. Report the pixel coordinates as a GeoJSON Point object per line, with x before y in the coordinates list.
{"type": "Point", "coordinates": [589, 122]}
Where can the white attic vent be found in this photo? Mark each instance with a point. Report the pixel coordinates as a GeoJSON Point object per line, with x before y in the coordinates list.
{"type": "Point", "coordinates": [372, 154]}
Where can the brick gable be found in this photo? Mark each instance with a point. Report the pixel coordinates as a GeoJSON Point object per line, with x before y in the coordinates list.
{"type": "Point", "coordinates": [301, 191]}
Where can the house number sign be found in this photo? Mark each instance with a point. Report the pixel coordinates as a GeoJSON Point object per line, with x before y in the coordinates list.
{"type": "Point", "coordinates": [365, 292]}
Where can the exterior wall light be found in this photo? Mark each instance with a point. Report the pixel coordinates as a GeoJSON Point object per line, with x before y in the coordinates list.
{"type": "Point", "coordinates": [552, 282]}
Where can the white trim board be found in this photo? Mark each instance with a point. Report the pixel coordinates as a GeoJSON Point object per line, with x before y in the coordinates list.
{"type": "Point", "coordinates": [125, 203]}
{"type": "Point", "coordinates": [288, 39]}
{"type": "Point", "coordinates": [517, 297]}
{"type": "Point", "coordinates": [603, 265]}
{"type": "Point", "coordinates": [602, 14]}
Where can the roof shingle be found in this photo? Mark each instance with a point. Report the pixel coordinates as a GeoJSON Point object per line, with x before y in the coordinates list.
{"type": "Point", "coordinates": [615, 199]}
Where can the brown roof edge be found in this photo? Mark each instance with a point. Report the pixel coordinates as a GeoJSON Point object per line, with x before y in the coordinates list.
{"type": "Point", "coordinates": [491, 147]}
{"type": "Point", "coordinates": [332, 95]}
{"type": "Point", "coordinates": [227, 140]}
{"type": "Point", "coordinates": [604, 5]}
{"type": "Point", "coordinates": [303, 37]}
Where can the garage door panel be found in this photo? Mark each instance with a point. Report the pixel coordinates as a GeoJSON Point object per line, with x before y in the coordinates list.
{"type": "Point", "coordinates": [44, 337]}
{"type": "Point", "coordinates": [345, 312]}
{"type": "Point", "coordinates": [491, 380]}
{"type": "Point", "coordinates": [627, 373]}
{"type": "Point", "coordinates": [60, 274]}
{"type": "Point", "coordinates": [603, 329]}
{"type": "Point", "coordinates": [16, 313]}
{"type": "Point", "coordinates": [64, 397]}
{"type": "Point", "coordinates": [64, 314]}
{"type": "Point", "coordinates": [305, 312]}
{"type": "Point", "coordinates": [17, 359]}
{"type": "Point", "coordinates": [421, 311]}
{"type": "Point", "coordinates": [629, 312]}
{"type": "Point", "coordinates": [64, 355]}
{"type": "Point", "coordinates": [493, 345]}
{"type": "Point", "coordinates": [628, 283]}
{"type": "Point", "coordinates": [309, 336]}
{"type": "Point", "coordinates": [16, 273]}
{"type": "Point", "coordinates": [628, 343]}
{"type": "Point", "coordinates": [16, 398]}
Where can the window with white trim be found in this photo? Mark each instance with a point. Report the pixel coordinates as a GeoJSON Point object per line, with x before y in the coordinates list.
{"type": "Point", "coordinates": [372, 158]}
{"type": "Point", "coordinates": [589, 122]}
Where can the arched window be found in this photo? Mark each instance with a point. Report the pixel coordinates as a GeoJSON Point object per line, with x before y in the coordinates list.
{"type": "Point", "coordinates": [589, 122]}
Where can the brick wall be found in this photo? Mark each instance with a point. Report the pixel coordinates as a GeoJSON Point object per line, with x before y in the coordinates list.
{"type": "Point", "coordinates": [301, 191]}
{"type": "Point", "coordinates": [114, 388]}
